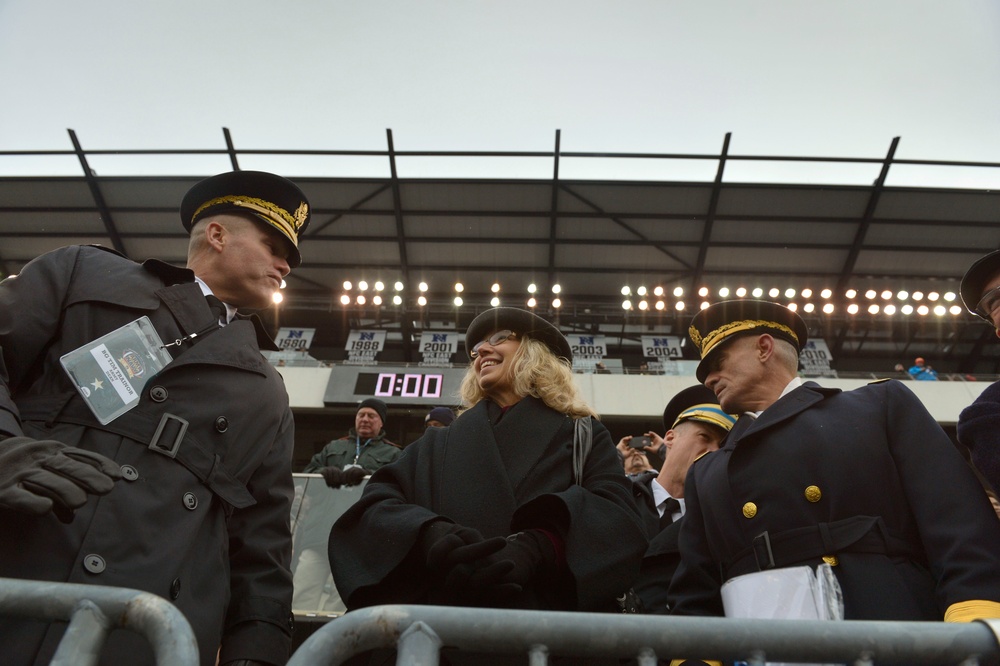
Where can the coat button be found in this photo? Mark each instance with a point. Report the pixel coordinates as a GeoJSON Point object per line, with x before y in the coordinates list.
{"type": "Point", "coordinates": [175, 588]}
{"type": "Point", "coordinates": [158, 393]}
{"type": "Point", "coordinates": [222, 424]}
{"type": "Point", "coordinates": [94, 563]}
{"type": "Point", "coordinates": [190, 501]}
{"type": "Point", "coordinates": [813, 493]}
{"type": "Point", "coordinates": [749, 510]}
{"type": "Point", "coordinates": [129, 473]}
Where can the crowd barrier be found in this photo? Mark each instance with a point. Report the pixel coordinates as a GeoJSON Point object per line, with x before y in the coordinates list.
{"type": "Point", "coordinates": [420, 632]}
{"type": "Point", "coordinates": [93, 611]}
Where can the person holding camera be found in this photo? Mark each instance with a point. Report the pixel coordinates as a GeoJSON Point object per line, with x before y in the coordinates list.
{"type": "Point", "coordinates": [695, 425]}
{"type": "Point", "coordinates": [633, 450]}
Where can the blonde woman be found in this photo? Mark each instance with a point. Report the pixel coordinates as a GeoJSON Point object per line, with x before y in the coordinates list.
{"type": "Point", "coordinates": [486, 512]}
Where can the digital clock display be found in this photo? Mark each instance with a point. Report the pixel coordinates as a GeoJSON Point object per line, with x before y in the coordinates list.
{"type": "Point", "coordinates": [399, 385]}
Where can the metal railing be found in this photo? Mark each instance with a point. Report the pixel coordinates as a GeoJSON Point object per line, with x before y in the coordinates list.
{"type": "Point", "coordinates": [419, 632]}
{"type": "Point", "coordinates": [93, 611]}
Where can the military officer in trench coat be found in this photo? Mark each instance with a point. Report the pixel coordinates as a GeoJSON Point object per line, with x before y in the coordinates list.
{"type": "Point", "coordinates": [187, 494]}
{"type": "Point", "coordinates": [864, 480]}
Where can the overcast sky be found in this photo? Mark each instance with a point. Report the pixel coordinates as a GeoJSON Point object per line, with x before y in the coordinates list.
{"type": "Point", "coordinates": [786, 77]}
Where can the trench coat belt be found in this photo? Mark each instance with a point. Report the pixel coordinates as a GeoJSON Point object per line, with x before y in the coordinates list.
{"type": "Point", "coordinates": [858, 534]}
{"type": "Point", "coordinates": [151, 430]}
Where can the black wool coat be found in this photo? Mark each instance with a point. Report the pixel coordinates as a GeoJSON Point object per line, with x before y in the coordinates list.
{"type": "Point", "coordinates": [819, 456]}
{"type": "Point", "coordinates": [208, 529]}
{"type": "Point", "coordinates": [499, 478]}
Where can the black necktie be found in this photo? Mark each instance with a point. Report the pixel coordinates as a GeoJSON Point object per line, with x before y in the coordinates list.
{"type": "Point", "coordinates": [670, 507]}
{"type": "Point", "coordinates": [218, 309]}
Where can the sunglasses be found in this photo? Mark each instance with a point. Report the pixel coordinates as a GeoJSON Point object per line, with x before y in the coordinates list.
{"type": "Point", "coordinates": [494, 340]}
{"type": "Point", "coordinates": [988, 303]}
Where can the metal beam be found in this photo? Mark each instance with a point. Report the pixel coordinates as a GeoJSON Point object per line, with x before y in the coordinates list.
{"type": "Point", "coordinates": [404, 264]}
{"type": "Point", "coordinates": [231, 149]}
{"type": "Point", "coordinates": [866, 218]}
{"type": "Point", "coordinates": [713, 205]}
{"type": "Point", "coordinates": [554, 212]}
{"type": "Point", "coordinates": [95, 191]}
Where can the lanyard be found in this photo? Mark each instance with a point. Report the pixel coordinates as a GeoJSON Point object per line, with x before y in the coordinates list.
{"type": "Point", "coordinates": [358, 447]}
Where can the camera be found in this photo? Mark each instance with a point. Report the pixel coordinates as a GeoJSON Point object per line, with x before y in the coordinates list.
{"type": "Point", "coordinates": [640, 441]}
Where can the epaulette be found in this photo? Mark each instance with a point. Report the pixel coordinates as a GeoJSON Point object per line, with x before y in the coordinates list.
{"type": "Point", "coordinates": [881, 381]}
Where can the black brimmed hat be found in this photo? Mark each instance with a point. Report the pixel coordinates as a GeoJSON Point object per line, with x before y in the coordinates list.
{"type": "Point", "coordinates": [696, 403]}
{"type": "Point", "coordinates": [522, 322]}
{"type": "Point", "coordinates": [275, 201]}
{"type": "Point", "coordinates": [975, 280]}
{"type": "Point", "coordinates": [725, 321]}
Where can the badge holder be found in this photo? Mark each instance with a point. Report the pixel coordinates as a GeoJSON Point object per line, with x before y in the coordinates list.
{"type": "Point", "coordinates": [111, 371]}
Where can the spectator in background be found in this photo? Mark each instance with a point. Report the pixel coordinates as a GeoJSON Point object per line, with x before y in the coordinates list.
{"type": "Point", "coordinates": [811, 475]}
{"type": "Point", "coordinates": [342, 462]}
{"type": "Point", "coordinates": [486, 512]}
{"type": "Point", "coordinates": [348, 460]}
{"type": "Point", "coordinates": [439, 417]}
{"type": "Point", "coordinates": [695, 425]}
{"type": "Point", "coordinates": [979, 423]}
{"type": "Point", "coordinates": [922, 372]}
{"type": "Point", "coordinates": [635, 459]}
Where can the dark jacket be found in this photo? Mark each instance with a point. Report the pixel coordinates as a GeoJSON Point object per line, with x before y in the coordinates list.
{"type": "Point", "coordinates": [208, 529]}
{"type": "Point", "coordinates": [499, 478]}
{"type": "Point", "coordinates": [979, 430]}
{"type": "Point", "coordinates": [663, 554]}
{"type": "Point", "coordinates": [374, 453]}
{"type": "Point", "coordinates": [866, 477]}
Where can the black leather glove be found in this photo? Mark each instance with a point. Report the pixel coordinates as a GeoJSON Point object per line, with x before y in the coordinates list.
{"type": "Point", "coordinates": [530, 555]}
{"type": "Point", "coordinates": [42, 475]}
{"type": "Point", "coordinates": [334, 476]}
{"type": "Point", "coordinates": [352, 476]}
{"type": "Point", "coordinates": [458, 559]}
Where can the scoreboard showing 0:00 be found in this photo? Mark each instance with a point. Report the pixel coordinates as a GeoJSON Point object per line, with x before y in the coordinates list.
{"type": "Point", "coordinates": [399, 385]}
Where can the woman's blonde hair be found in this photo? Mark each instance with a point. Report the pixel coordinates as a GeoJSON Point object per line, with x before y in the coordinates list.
{"type": "Point", "coordinates": [534, 370]}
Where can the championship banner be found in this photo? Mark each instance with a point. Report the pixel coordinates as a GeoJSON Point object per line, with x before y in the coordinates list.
{"type": "Point", "coordinates": [815, 359]}
{"type": "Point", "coordinates": [660, 348]}
{"type": "Point", "coordinates": [363, 346]}
{"type": "Point", "coordinates": [437, 348]}
{"type": "Point", "coordinates": [587, 350]}
{"type": "Point", "coordinates": [294, 339]}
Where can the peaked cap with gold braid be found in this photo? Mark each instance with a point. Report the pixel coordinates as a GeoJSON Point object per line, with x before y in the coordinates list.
{"type": "Point", "coordinates": [696, 403]}
{"type": "Point", "coordinates": [275, 201]}
{"type": "Point", "coordinates": [728, 320]}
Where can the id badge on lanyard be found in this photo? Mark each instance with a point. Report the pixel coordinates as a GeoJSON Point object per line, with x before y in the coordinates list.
{"type": "Point", "coordinates": [111, 371]}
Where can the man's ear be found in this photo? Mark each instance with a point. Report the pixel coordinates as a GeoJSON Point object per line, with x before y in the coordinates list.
{"type": "Point", "coordinates": [216, 234]}
{"type": "Point", "coordinates": [765, 347]}
{"type": "Point", "coordinates": [668, 439]}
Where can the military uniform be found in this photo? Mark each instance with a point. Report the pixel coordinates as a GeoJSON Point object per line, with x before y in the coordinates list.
{"type": "Point", "coordinates": [200, 517]}
{"type": "Point", "coordinates": [865, 480]}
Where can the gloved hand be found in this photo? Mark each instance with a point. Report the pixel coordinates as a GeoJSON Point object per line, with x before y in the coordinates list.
{"type": "Point", "coordinates": [352, 476]}
{"type": "Point", "coordinates": [530, 555]}
{"type": "Point", "coordinates": [458, 558]}
{"type": "Point", "coordinates": [333, 475]}
{"type": "Point", "coordinates": [42, 475]}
